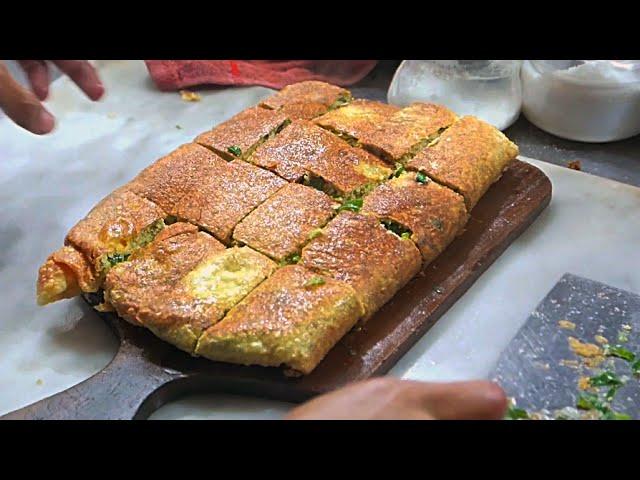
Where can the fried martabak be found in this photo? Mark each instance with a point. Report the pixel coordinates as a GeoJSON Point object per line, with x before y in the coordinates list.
{"type": "Point", "coordinates": [358, 250]}
{"type": "Point", "coordinates": [239, 136]}
{"type": "Point", "coordinates": [282, 225]}
{"type": "Point", "coordinates": [184, 282]}
{"type": "Point", "coordinates": [293, 319]}
{"type": "Point", "coordinates": [468, 158]}
{"type": "Point", "coordinates": [415, 207]}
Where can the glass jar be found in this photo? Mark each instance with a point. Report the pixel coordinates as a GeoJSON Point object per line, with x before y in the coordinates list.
{"type": "Point", "coordinates": [583, 100]}
{"type": "Point", "coordinates": [488, 89]}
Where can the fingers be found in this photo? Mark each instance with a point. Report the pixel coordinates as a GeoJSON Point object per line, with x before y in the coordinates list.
{"type": "Point", "coordinates": [22, 106]}
{"type": "Point", "coordinates": [83, 75]}
{"type": "Point", "coordinates": [38, 75]}
{"type": "Point", "coordinates": [474, 400]}
{"type": "Point", "coordinates": [388, 398]}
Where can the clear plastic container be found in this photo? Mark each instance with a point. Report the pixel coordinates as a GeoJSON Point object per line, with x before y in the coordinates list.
{"type": "Point", "coordinates": [488, 89]}
{"type": "Point", "coordinates": [583, 100]}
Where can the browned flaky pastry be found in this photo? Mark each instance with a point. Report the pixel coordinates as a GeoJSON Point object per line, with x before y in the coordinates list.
{"type": "Point", "coordinates": [468, 157]}
{"type": "Point", "coordinates": [407, 131]}
{"type": "Point", "coordinates": [303, 111]}
{"type": "Point", "coordinates": [356, 119]}
{"type": "Point", "coordinates": [222, 199]}
{"type": "Point", "coordinates": [294, 318]}
{"type": "Point", "coordinates": [168, 180]}
{"type": "Point", "coordinates": [65, 274]}
{"type": "Point", "coordinates": [242, 133]}
{"type": "Point", "coordinates": [117, 226]}
{"type": "Point", "coordinates": [282, 225]}
{"type": "Point", "coordinates": [358, 250]}
{"type": "Point", "coordinates": [297, 145]}
{"type": "Point", "coordinates": [183, 282]}
{"type": "Point", "coordinates": [344, 169]}
{"type": "Point", "coordinates": [312, 91]}
{"type": "Point", "coordinates": [306, 152]}
{"type": "Point", "coordinates": [428, 213]}
{"type": "Point", "coordinates": [154, 270]}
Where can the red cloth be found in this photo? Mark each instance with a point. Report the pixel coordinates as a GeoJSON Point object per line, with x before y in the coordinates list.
{"type": "Point", "coordinates": [177, 74]}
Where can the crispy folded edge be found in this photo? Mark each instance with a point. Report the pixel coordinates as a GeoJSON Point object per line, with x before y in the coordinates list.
{"type": "Point", "coordinates": [65, 274]}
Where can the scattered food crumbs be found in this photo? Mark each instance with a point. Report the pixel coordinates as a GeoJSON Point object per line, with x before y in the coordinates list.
{"type": "Point", "coordinates": [567, 325]}
{"type": "Point", "coordinates": [575, 165]}
{"type": "Point", "coordinates": [594, 362]}
{"type": "Point", "coordinates": [584, 383]}
{"type": "Point", "coordinates": [188, 96]}
{"type": "Point", "coordinates": [626, 327]}
{"type": "Point", "coordinates": [601, 340]}
{"type": "Point", "coordinates": [569, 363]}
{"type": "Point", "coordinates": [588, 350]}
{"type": "Point", "coordinates": [623, 336]}
{"type": "Point", "coordinates": [178, 127]}
{"type": "Point", "coordinates": [39, 381]}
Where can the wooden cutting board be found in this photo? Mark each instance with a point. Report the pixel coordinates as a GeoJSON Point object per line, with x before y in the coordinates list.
{"type": "Point", "coordinates": [147, 372]}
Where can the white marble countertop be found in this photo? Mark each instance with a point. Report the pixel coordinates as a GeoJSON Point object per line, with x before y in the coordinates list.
{"type": "Point", "coordinates": [591, 228]}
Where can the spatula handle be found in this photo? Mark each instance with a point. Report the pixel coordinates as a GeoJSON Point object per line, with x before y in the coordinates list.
{"type": "Point", "coordinates": [128, 388]}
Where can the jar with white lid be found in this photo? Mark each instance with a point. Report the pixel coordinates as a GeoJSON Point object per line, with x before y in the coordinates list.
{"type": "Point", "coordinates": [583, 100]}
{"type": "Point", "coordinates": [487, 89]}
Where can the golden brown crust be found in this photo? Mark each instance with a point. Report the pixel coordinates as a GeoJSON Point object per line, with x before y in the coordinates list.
{"type": "Point", "coordinates": [358, 118]}
{"type": "Point", "coordinates": [434, 214]}
{"type": "Point", "coordinates": [181, 315]}
{"type": "Point", "coordinates": [303, 111]}
{"type": "Point", "coordinates": [311, 91]}
{"type": "Point", "coordinates": [294, 318]}
{"type": "Point", "coordinates": [175, 175]}
{"type": "Point", "coordinates": [65, 274]}
{"type": "Point", "coordinates": [174, 286]}
{"type": "Point", "coordinates": [153, 271]}
{"type": "Point", "coordinates": [407, 130]}
{"type": "Point", "coordinates": [113, 225]}
{"type": "Point", "coordinates": [468, 157]}
{"type": "Point", "coordinates": [345, 169]}
{"type": "Point", "coordinates": [244, 131]}
{"type": "Point", "coordinates": [226, 197]}
{"type": "Point", "coordinates": [358, 250]}
{"type": "Point", "coordinates": [299, 144]}
{"type": "Point", "coordinates": [303, 148]}
{"type": "Point", "coordinates": [281, 225]}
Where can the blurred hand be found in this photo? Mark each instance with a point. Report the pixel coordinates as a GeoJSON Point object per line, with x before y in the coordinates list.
{"type": "Point", "coordinates": [23, 105]}
{"type": "Point", "coordinates": [392, 399]}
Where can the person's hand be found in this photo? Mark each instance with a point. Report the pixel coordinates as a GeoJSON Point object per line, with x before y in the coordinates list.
{"type": "Point", "coordinates": [392, 399]}
{"type": "Point", "coordinates": [23, 105]}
